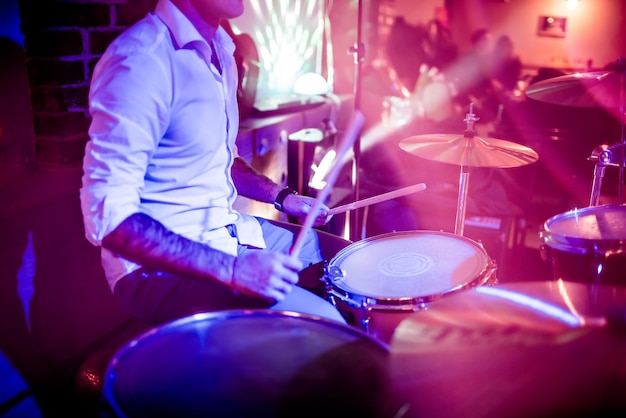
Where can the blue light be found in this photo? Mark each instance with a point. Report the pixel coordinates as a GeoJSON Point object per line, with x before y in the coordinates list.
{"type": "Point", "coordinates": [534, 303]}
{"type": "Point", "coordinates": [10, 21]}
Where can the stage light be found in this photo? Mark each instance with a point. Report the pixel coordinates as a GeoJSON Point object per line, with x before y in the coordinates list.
{"type": "Point", "coordinates": [311, 83]}
{"type": "Point", "coordinates": [288, 35]}
{"type": "Point", "coordinates": [321, 170]}
{"type": "Point", "coordinates": [572, 4]}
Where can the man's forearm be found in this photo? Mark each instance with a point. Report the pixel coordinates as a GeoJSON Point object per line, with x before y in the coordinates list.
{"type": "Point", "coordinates": [252, 184]}
{"type": "Point", "coordinates": [143, 240]}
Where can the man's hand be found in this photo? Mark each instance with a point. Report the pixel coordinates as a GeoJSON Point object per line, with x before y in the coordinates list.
{"type": "Point", "coordinates": [300, 206]}
{"type": "Point", "coordinates": [266, 274]}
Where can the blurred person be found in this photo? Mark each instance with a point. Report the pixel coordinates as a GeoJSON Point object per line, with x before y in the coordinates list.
{"type": "Point", "coordinates": [507, 67]}
{"type": "Point", "coordinates": [407, 49]}
{"type": "Point", "coordinates": [471, 76]}
{"type": "Point", "coordinates": [444, 49]}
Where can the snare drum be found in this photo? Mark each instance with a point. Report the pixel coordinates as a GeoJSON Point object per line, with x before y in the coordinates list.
{"type": "Point", "coordinates": [587, 245]}
{"type": "Point", "coordinates": [250, 364]}
{"type": "Point", "coordinates": [378, 281]}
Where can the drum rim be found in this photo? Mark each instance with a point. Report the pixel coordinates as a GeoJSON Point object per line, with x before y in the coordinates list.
{"type": "Point", "coordinates": [382, 303]}
{"type": "Point", "coordinates": [358, 244]}
{"type": "Point", "coordinates": [414, 303]}
{"type": "Point", "coordinates": [579, 245]}
{"type": "Point", "coordinates": [110, 375]}
{"type": "Point", "coordinates": [161, 329]}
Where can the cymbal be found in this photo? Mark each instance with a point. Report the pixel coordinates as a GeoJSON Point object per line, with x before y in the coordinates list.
{"type": "Point", "coordinates": [471, 151]}
{"type": "Point", "coordinates": [606, 89]}
{"type": "Point", "coordinates": [517, 350]}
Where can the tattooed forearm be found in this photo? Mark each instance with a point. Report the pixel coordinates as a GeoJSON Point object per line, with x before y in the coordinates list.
{"type": "Point", "coordinates": [143, 240]}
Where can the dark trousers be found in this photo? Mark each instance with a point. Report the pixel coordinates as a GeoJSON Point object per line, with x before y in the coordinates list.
{"type": "Point", "coordinates": [157, 297]}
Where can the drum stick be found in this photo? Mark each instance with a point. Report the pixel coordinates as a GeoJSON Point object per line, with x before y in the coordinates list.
{"type": "Point", "coordinates": [346, 143]}
{"type": "Point", "coordinates": [377, 199]}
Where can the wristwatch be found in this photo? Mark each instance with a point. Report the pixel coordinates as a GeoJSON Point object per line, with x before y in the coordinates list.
{"type": "Point", "coordinates": [280, 198]}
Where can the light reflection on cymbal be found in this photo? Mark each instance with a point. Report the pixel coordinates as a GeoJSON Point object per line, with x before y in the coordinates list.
{"type": "Point", "coordinates": [515, 350]}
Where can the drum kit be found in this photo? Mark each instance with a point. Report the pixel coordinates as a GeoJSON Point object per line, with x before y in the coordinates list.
{"type": "Point", "coordinates": [431, 332]}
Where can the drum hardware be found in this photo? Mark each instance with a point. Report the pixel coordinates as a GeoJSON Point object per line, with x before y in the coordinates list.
{"type": "Point", "coordinates": [533, 348]}
{"type": "Point", "coordinates": [468, 150]}
{"type": "Point", "coordinates": [604, 155]}
{"type": "Point", "coordinates": [602, 89]}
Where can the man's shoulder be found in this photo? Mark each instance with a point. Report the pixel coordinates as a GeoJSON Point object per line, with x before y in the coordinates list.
{"type": "Point", "coordinates": [145, 35]}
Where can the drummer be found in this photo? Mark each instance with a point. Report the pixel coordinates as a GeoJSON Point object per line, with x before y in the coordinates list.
{"type": "Point", "coordinates": [161, 173]}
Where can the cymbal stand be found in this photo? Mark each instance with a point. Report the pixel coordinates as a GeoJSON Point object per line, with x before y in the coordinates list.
{"type": "Point", "coordinates": [604, 155]}
{"type": "Point", "coordinates": [358, 51]}
{"type": "Point", "coordinates": [470, 120]}
{"type": "Point", "coordinates": [612, 155]}
{"type": "Point", "coordinates": [621, 68]}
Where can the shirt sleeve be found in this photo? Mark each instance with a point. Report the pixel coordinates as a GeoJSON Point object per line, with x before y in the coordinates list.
{"type": "Point", "coordinates": [129, 105]}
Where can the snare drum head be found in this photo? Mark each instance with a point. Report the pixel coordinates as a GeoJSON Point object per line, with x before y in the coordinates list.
{"type": "Point", "coordinates": [247, 363]}
{"type": "Point", "coordinates": [596, 223]}
{"type": "Point", "coordinates": [410, 264]}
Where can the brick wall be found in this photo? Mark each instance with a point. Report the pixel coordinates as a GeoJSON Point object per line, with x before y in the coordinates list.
{"type": "Point", "coordinates": [63, 41]}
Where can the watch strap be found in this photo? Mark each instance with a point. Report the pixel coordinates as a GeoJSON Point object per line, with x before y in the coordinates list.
{"type": "Point", "coordinates": [280, 198]}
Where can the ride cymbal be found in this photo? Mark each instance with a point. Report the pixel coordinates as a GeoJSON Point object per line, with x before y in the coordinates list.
{"type": "Point", "coordinates": [542, 349]}
{"type": "Point", "coordinates": [469, 150]}
{"type": "Point", "coordinates": [606, 89]}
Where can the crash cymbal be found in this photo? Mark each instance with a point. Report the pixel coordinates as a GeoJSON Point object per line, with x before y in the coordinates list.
{"type": "Point", "coordinates": [543, 349]}
{"type": "Point", "coordinates": [469, 150]}
{"type": "Point", "coordinates": [606, 89]}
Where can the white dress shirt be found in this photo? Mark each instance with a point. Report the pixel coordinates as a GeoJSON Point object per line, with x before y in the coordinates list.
{"type": "Point", "coordinates": [162, 137]}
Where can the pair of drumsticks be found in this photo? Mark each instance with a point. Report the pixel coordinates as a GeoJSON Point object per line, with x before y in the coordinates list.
{"type": "Point", "coordinates": [354, 127]}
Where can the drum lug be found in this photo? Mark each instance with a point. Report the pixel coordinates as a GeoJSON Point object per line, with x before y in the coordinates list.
{"type": "Point", "coordinates": [342, 297]}
{"type": "Point", "coordinates": [366, 309]}
{"type": "Point", "coordinates": [365, 323]}
{"type": "Point", "coordinates": [542, 246]}
{"type": "Point", "coordinates": [492, 276]}
{"type": "Point", "coordinates": [329, 292]}
{"type": "Point", "coordinates": [335, 273]}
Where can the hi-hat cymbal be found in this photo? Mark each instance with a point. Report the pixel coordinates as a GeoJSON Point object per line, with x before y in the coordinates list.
{"type": "Point", "coordinates": [517, 350]}
{"type": "Point", "coordinates": [606, 89]}
{"type": "Point", "coordinates": [469, 151]}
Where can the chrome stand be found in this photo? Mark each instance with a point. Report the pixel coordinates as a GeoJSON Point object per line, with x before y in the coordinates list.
{"type": "Point", "coordinates": [470, 119]}
{"type": "Point", "coordinates": [604, 155]}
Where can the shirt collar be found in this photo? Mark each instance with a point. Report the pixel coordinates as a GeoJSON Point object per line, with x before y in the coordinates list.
{"type": "Point", "coordinates": [182, 29]}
